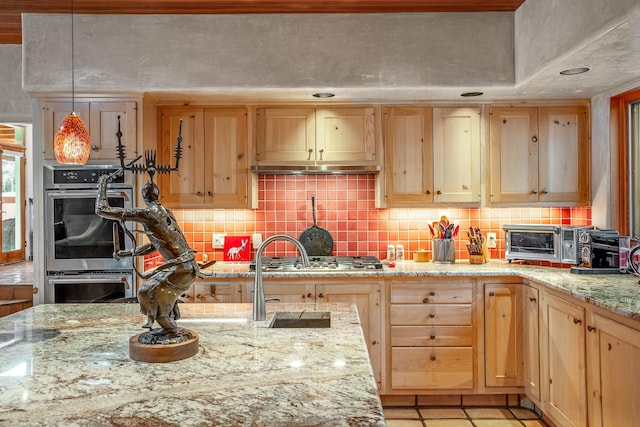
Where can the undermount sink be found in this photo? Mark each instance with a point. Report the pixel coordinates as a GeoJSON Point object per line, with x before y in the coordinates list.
{"type": "Point", "coordinates": [301, 319]}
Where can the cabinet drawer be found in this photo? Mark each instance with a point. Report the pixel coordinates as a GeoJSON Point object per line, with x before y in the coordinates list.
{"type": "Point", "coordinates": [440, 293]}
{"type": "Point", "coordinates": [431, 314]}
{"type": "Point", "coordinates": [431, 336]}
{"type": "Point", "coordinates": [432, 368]}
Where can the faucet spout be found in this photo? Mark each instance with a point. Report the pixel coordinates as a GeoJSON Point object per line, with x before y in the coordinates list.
{"type": "Point", "coordinates": [259, 302]}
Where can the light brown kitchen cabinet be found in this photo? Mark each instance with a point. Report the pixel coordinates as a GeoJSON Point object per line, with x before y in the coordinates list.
{"type": "Point", "coordinates": [305, 136]}
{"type": "Point", "coordinates": [101, 118]}
{"type": "Point", "coordinates": [408, 151]}
{"type": "Point", "coordinates": [539, 155]}
{"type": "Point", "coordinates": [213, 170]}
{"type": "Point", "coordinates": [217, 291]}
{"type": "Point", "coordinates": [614, 377]}
{"type": "Point", "coordinates": [456, 155]}
{"type": "Point", "coordinates": [563, 361]}
{"type": "Point", "coordinates": [503, 334]}
{"type": "Point", "coordinates": [531, 342]}
{"type": "Point", "coordinates": [431, 334]}
{"type": "Point", "coordinates": [364, 294]}
{"type": "Point", "coordinates": [432, 156]}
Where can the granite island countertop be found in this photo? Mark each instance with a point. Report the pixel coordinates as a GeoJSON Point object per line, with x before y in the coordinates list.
{"type": "Point", "coordinates": [68, 364]}
{"type": "Point", "coordinates": [619, 293]}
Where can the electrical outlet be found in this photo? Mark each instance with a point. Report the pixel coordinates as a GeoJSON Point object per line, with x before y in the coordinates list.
{"type": "Point", "coordinates": [491, 240]}
{"type": "Point", "coordinates": [256, 239]}
{"type": "Point", "coordinates": [218, 240]}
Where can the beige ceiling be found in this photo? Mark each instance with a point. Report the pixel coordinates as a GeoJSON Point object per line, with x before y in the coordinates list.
{"type": "Point", "coordinates": [11, 28]}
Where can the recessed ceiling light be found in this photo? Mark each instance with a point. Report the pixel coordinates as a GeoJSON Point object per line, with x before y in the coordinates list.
{"type": "Point", "coordinates": [324, 95]}
{"type": "Point", "coordinates": [476, 93]}
{"type": "Point", "coordinates": [573, 71]}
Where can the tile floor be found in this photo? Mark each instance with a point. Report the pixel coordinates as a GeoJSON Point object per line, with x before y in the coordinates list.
{"type": "Point", "coordinates": [461, 417]}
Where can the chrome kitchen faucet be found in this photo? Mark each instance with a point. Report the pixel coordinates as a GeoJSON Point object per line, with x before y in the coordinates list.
{"type": "Point", "coordinates": [259, 302]}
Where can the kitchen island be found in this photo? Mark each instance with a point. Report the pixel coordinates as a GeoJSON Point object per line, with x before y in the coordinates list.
{"type": "Point", "coordinates": [68, 364]}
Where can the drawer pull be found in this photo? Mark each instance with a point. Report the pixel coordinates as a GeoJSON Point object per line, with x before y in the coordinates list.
{"type": "Point", "coordinates": [433, 357]}
{"type": "Point", "coordinates": [591, 328]}
{"type": "Point", "coordinates": [432, 315]}
{"type": "Point", "coordinates": [576, 320]}
{"type": "Point", "coordinates": [432, 294]}
{"type": "Point", "coordinates": [309, 295]}
{"type": "Point", "coordinates": [425, 300]}
{"type": "Point", "coordinates": [433, 337]}
{"type": "Point", "coordinates": [320, 295]}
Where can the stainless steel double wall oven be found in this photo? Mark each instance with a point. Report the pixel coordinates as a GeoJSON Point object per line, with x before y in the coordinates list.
{"type": "Point", "coordinates": [79, 244]}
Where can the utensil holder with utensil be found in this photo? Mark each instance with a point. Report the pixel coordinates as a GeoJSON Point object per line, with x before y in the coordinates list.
{"type": "Point", "coordinates": [444, 251]}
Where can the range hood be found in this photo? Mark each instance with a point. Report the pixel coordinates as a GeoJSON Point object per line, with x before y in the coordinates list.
{"type": "Point", "coordinates": [315, 169]}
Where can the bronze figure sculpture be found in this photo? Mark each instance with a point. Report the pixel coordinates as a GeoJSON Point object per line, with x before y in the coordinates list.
{"type": "Point", "coordinates": [158, 295]}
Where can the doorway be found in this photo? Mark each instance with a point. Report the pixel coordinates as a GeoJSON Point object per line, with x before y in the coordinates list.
{"type": "Point", "coordinates": [12, 203]}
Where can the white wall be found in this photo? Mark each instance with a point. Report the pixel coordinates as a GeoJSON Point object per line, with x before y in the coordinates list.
{"type": "Point", "coordinates": [15, 105]}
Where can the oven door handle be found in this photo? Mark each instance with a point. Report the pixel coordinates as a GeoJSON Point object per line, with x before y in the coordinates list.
{"type": "Point", "coordinates": [93, 194]}
{"type": "Point", "coordinates": [89, 280]}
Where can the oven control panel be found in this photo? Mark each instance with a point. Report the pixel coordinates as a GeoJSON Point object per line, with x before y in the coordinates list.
{"type": "Point", "coordinates": [84, 176]}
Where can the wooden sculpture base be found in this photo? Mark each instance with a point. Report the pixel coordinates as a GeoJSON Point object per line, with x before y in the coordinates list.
{"type": "Point", "coordinates": [162, 353]}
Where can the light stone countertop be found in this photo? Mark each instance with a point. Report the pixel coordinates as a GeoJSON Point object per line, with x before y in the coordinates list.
{"type": "Point", "coordinates": [619, 293]}
{"type": "Point", "coordinates": [68, 364]}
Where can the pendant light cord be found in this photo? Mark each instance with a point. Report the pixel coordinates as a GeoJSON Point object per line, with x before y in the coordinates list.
{"type": "Point", "coordinates": [73, 88]}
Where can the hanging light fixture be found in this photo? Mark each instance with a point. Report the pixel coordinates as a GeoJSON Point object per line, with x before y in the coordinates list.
{"type": "Point", "coordinates": [72, 143]}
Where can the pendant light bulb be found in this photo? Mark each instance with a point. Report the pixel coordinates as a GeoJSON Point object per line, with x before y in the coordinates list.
{"type": "Point", "coordinates": [72, 143]}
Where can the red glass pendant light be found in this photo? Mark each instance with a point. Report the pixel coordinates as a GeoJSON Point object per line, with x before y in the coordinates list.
{"type": "Point", "coordinates": [72, 143]}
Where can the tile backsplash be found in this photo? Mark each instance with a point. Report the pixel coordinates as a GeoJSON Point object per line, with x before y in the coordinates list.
{"type": "Point", "coordinates": [345, 206]}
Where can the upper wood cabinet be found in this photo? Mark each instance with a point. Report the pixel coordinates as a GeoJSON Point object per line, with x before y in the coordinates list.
{"type": "Point", "coordinates": [408, 149]}
{"type": "Point", "coordinates": [456, 155]}
{"type": "Point", "coordinates": [539, 155]}
{"type": "Point", "coordinates": [213, 171]}
{"type": "Point", "coordinates": [432, 155]}
{"type": "Point", "coordinates": [101, 118]}
{"type": "Point", "coordinates": [315, 136]}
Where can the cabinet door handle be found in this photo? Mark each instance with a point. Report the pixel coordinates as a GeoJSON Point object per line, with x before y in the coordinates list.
{"type": "Point", "coordinates": [432, 294]}
{"type": "Point", "coordinates": [310, 151]}
{"type": "Point", "coordinates": [309, 295]}
{"type": "Point", "coordinates": [425, 300]}
{"type": "Point", "coordinates": [576, 321]}
{"type": "Point", "coordinates": [198, 193]}
{"type": "Point", "coordinates": [428, 191]}
{"type": "Point", "coordinates": [492, 293]}
{"type": "Point", "coordinates": [591, 328]}
{"type": "Point", "coordinates": [438, 192]}
{"type": "Point", "coordinates": [95, 148]}
{"type": "Point", "coordinates": [534, 138]}
{"type": "Point", "coordinates": [432, 315]}
{"type": "Point", "coordinates": [532, 299]}
{"type": "Point", "coordinates": [321, 151]}
{"type": "Point", "coordinates": [534, 191]}
{"type": "Point", "coordinates": [433, 337]}
{"type": "Point", "coordinates": [433, 357]}
{"type": "Point", "coordinates": [545, 191]}
{"type": "Point", "coordinates": [320, 295]}
{"type": "Point", "coordinates": [209, 193]}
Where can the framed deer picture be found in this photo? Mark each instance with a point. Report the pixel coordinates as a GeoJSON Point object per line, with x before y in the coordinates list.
{"type": "Point", "coordinates": [237, 248]}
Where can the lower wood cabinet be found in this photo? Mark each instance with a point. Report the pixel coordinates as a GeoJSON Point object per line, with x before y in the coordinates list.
{"type": "Point", "coordinates": [614, 372]}
{"type": "Point", "coordinates": [365, 294]}
{"type": "Point", "coordinates": [503, 334]}
{"type": "Point", "coordinates": [531, 342]}
{"type": "Point", "coordinates": [226, 290]}
{"type": "Point", "coordinates": [431, 335]}
{"type": "Point", "coordinates": [563, 361]}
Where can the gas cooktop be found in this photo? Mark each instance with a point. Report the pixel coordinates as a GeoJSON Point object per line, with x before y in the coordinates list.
{"type": "Point", "coordinates": [319, 263]}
